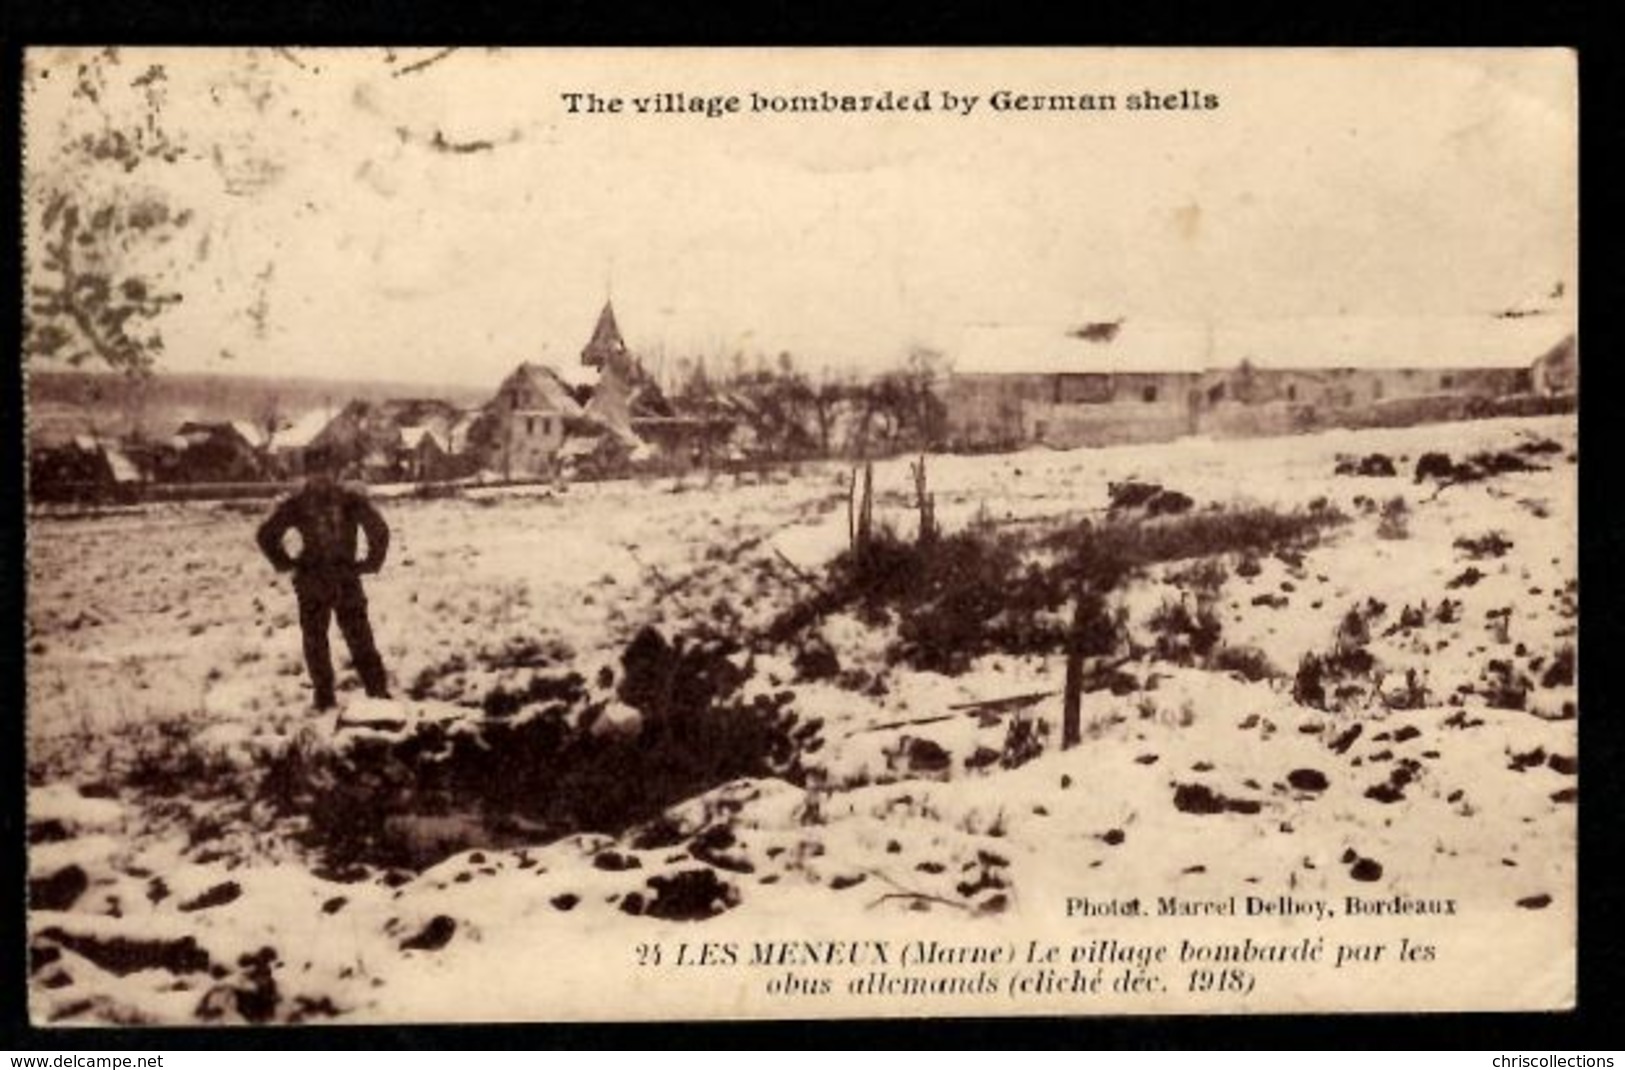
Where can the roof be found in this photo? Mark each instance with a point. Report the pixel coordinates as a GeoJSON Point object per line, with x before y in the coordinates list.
{"type": "Point", "coordinates": [629, 438]}
{"type": "Point", "coordinates": [576, 376]}
{"type": "Point", "coordinates": [1418, 342]}
{"type": "Point", "coordinates": [413, 437]}
{"type": "Point", "coordinates": [302, 432]}
{"type": "Point", "coordinates": [252, 433]}
{"type": "Point", "coordinates": [1303, 344]}
{"type": "Point", "coordinates": [413, 412]}
{"type": "Point", "coordinates": [119, 463]}
{"type": "Point", "coordinates": [1051, 349]}
{"type": "Point", "coordinates": [606, 341]}
{"type": "Point", "coordinates": [579, 446]}
{"type": "Point", "coordinates": [611, 403]}
{"type": "Point", "coordinates": [546, 383]}
{"type": "Point", "coordinates": [1565, 350]}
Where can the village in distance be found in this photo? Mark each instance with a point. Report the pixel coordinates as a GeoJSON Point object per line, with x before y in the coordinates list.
{"type": "Point", "coordinates": [1038, 622]}
{"type": "Point", "coordinates": [1022, 562]}
{"type": "Point", "coordinates": [98, 436]}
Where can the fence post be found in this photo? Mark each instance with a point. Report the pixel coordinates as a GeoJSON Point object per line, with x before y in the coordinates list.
{"type": "Point", "coordinates": [926, 502]}
{"type": "Point", "coordinates": [1072, 701]}
{"type": "Point", "coordinates": [866, 508]}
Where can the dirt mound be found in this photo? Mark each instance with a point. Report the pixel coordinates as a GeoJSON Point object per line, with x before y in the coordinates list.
{"type": "Point", "coordinates": [1151, 498]}
{"type": "Point", "coordinates": [1374, 464]}
{"type": "Point", "coordinates": [534, 763]}
{"type": "Point", "coordinates": [1201, 799]}
{"type": "Point", "coordinates": [687, 895]}
{"type": "Point", "coordinates": [60, 890]}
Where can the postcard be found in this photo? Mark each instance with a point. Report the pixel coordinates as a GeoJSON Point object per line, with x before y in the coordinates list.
{"type": "Point", "coordinates": [545, 535]}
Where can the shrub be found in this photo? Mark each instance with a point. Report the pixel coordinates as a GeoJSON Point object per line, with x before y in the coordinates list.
{"type": "Point", "coordinates": [544, 764]}
{"type": "Point", "coordinates": [166, 760]}
{"type": "Point", "coordinates": [1112, 549]}
{"type": "Point", "coordinates": [1479, 466]}
{"type": "Point", "coordinates": [1503, 687]}
{"type": "Point", "coordinates": [1308, 686]}
{"type": "Point", "coordinates": [1247, 661]}
{"type": "Point", "coordinates": [1560, 673]}
{"type": "Point", "coordinates": [815, 659]}
{"type": "Point", "coordinates": [1353, 630]}
{"type": "Point", "coordinates": [975, 596]}
{"type": "Point", "coordinates": [1412, 696]}
{"type": "Point", "coordinates": [1153, 498]}
{"type": "Point", "coordinates": [1183, 636]}
{"type": "Point", "coordinates": [956, 598]}
{"type": "Point", "coordinates": [1131, 494]}
{"type": "Point", "coordinates": [1203, 577]}
{"type": "Point", "coordinates": [1469, 576]}
{"type": "Point", "coordinates": [1395, 522]}
{"type": "Point", "coordinates": [1330, 680]}
{"type": "Point", "coordinates": [1023, 741]}
{"type": "Point", "coordinates": [1490, 544]}
{"type": "Point", "coordinates": [1490, 464]}
{"type": "Point", "coordinates": [983, 590]}
{"type": "Point", "coordinates": [1169, 503]}
{"type": "Point", "coordinates": [1434, 466]}
{"type": "Point", "coordinates": [1376, 464]}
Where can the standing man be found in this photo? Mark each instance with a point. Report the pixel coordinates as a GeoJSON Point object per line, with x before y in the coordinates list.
{"type": "Point", "coordinates": [326, 574]}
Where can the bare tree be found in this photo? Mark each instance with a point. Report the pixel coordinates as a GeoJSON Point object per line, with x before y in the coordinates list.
{"type": "Point", "coordinates": [825, 403]}
{"type": "Point", "coordinates": [92, 295]}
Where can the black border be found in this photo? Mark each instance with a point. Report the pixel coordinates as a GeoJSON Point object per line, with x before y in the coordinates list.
{"type": "Point", "coordinates": [778, 22]}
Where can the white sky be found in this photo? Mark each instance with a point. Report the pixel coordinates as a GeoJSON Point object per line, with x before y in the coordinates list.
{"type": "Point", "coordinates": [1396, 186]}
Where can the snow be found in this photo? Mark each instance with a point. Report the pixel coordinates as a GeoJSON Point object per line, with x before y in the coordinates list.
{"type": "Point", "coordinates": [164, 633]}
{"type": "Point", "coordinates": [1300, 343]}
{"type": "Point", "coordinates": [302, 431]}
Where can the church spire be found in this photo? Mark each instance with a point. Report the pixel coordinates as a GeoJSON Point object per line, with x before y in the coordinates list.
{"type": "Point", "coordinates": [606, 346]}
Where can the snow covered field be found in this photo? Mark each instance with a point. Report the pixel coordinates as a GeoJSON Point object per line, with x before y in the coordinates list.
{"type": "Point", "coordinates": [165, 676]}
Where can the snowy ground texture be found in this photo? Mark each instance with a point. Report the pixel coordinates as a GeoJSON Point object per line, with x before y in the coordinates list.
{"type": "Point", "coordinates": [169, 885]}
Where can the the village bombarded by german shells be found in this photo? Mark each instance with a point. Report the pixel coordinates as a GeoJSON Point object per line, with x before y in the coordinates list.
{"type": "Point", "coordinates": [492, 562]}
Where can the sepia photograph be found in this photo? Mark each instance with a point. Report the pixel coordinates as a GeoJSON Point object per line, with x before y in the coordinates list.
{"type": "Point", "coordinates": [604, 535]}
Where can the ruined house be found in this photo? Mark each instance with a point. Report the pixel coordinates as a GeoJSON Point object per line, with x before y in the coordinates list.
{"type": "Point", "coordinates": [289, 443]}
{"type": "Point", "coordinates": [626, 400]}
{"type": "Point", "coordinates": [1150, 382]}
{"type": "Point", "coordinates": [424, 456]}
{"type": "Point", "coordinates": [1556, 372]}
{"type": "Point", "coordinates": [401, 440]}
{"type": "Point", "coordinates": [527, 421]}
{"type": "Point", "coordinates": [85, 468]}
{"type": "Point", "coordinates": [1013, 386]}
{"type": "Point", "coordinates": [229, 451]}
{"type": "Point", "coordinates": [607, 416]}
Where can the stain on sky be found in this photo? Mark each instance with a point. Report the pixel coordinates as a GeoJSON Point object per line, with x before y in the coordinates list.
{"type": "Point", "coordinates": [376, 179]}
{"type": "Point", "coordinates": [422, 64]}
{"type": "Point", "coordinates": [440, 144]}
{"type": "Point", "coordinates": [1104, 331]}
{"type": "Point", "coordinates": [1188, 221]}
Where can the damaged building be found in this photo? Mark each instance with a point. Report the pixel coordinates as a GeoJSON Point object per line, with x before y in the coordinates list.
{"type": "Point", "coordinates": [606, 416]}
{"type": "Point", "coordinates": [1120, 382]}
